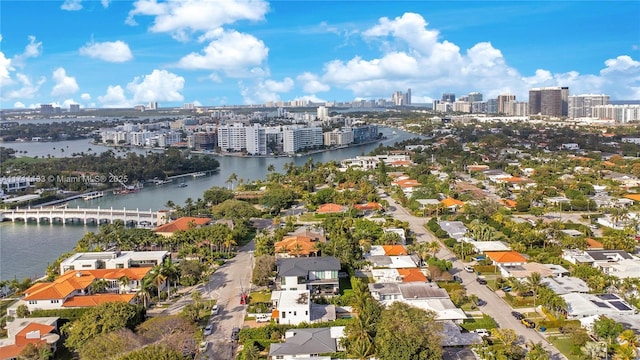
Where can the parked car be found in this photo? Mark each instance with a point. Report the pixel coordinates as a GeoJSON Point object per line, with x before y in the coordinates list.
{"type": "Point", "coordinates": [263, 318]}
{"type": "Point", "coordinates": [208, 330]}
{"type": "Point", "coordinates": [481, 281]}
{"type": "Point", "coordinates": [528, 323]}
{"type": "Point", "coordinates": [506, 288]}
{"type": "Point", "coordinates": [215, 310]}
{"type": "Point", "coordinates": [457, 279]}
{"type": "Point", "coordinates": [526, 294]}
{"type": "Point", "coordinates": [517, 315]}
{"type": "Point", "coordinates": [482, 332]}
{"type": "Point", "coordinates": [481, 302]}
{"type": "Point", "coordinates": [469, 269]}
{"type": "Point", "coordinates": [235, 334]}
{"type": "Point", "coordinates": [203, 346]}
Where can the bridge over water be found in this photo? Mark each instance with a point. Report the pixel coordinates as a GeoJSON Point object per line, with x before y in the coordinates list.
{"type": "Point", "coordinates": [86, 216]}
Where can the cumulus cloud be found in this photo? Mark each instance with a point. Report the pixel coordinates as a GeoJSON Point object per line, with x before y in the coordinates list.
{"type": "Point", "coordinates": [159, 85]}
{"type": "Point", "coordinates": [311, 84]}
{"type": "Point", "coordinates": [262, 91]}
{"type": "Point", "coordinates": [85, 96]}
{"type": "Point", "coordinates": [65, 85]}
{"type": "Point", "coordinates": [27, 89]}
{"type": "Point", "coordinates": [232, 53]}
{"type": "Point", "coordinates": [183, 18]}
{"type": "Point", "coordinates": [111, 51]}
{"type": "Point", "coordinates": [17, 85]}
{"type": "Point", "coordinates": [413, 55]}
{"type": "Point", "coordinates": [71, 5]}
{"type": "Point", "coordinates": [18, 105]}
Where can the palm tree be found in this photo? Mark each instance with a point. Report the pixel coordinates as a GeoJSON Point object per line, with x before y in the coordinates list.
{"type": "Point", "coordinates": [624, 353]}
{"type": "Point", "coordinates": [196, 296]}
{"type": "Point", "coordinates": [229, 242]}
{"type": "Point", "coordinates": [124, 282]}
{"type": "Point", "coordinates": [157, 278]}
{"type": "Point", "coordinates": [99, 286]}
{"type": "Point", "coordinates": [144, 292]}
{"type": "Point", "coordinates": [170, 272]}
{"type": "Point", "coordinates": [434, 247]}
{"type": "Point", "coordinates": [629, 339]}
{"type": "Point", "coordinates": [535, 280]}
{"type": "Point", "coordinates": [536, 351]}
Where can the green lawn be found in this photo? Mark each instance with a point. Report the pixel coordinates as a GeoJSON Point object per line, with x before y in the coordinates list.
{"type": "Point", "coordinates": [485, 322]}
{"type": "Point", "coordinates": [260, 297]}
{"type": "Point", "coordinates": [563, 344]}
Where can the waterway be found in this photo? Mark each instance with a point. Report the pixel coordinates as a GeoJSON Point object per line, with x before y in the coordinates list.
{"type": "Point", "coordinates": [25, 250]}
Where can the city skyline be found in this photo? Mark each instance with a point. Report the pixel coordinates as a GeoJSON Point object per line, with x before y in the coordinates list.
{"type": "Point", "coordinates": [121, 53]}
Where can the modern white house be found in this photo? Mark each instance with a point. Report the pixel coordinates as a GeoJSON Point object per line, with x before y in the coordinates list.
{"type": "Point", "coordinates": [113, 260]}
{"type": "Point", "coordinates": [318, 274]}
{"type": "Point", "coordinates": [308, 344]}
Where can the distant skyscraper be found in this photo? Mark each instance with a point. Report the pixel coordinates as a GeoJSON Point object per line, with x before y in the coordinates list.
{"type": "Point", "coordinates": [46, 109]}
{"type": "Point", "coordinates": [582, 105]}
{"type": "Point", "coordinates": [492, 106]}
{"type": "Point", "coordinates": [475, 97]}
{"type": "Point", "coordinates": [502, 102]}
{"type": "Point", "coordinates": [407, 97]}
{"type": "Point", "coordinates": [449, 97]}
{"type": "Point", "coordinates": [549, 101]}
{"type": "Point", "coordinates": [153, 105]}
{"type": "Point", "coordinates": [74, 108]}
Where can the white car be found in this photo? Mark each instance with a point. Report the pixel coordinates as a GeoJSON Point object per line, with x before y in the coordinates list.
{"type": "Point", "coordinates": [208, 330]}
{"type": "Point", "coordinates": [469, 269]}
{"type": "Point", "coordinates": [203, 346]}
{"type": "Point", "coordinates": [482, 332]}
{"type": "Point", "coordinates": [215, 310]}
{"type": "Point", "coordinates": [263, 318]}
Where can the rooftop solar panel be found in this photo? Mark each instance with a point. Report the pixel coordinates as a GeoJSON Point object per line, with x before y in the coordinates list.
{"type": "Point", "coordinates": [607, 297]}
{"type": "Point", "coordinates": [620, 305]}
{"type": "Point", "coordinates": [600, 304]}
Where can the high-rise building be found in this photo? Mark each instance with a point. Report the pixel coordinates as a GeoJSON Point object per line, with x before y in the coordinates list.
{"type": "Point", "coordinates": [74, 108]}
{"type": "Point", "coordinates": [449, 97]}
{"type": "Point", "coordinates": [232, 138]}
{"type": "Point", "coordinates": [322, 113]}
{"type": "Point", "coordinates": [582, 105]}
{"type": "Point", "coordinates": [502, 102]}
{"type": "Point", "coordinates": [475, 97]}
{"type": "Point", "coordinates": [407, 97]}
{"type": "Point", "coordinates": [492, 106]}
{"type": "Point", "coordinates": [256, 139]}
{"type": "Point", "coordinates": [46, 109]}
{"type": "Point", "coordinates": [549, 101]}
{"type": "Point", "coordinates": [153, 105]}
{"type": "Point", "coordinates": [399, 98]}
{"type": "Point", "coordinates": [619, 113]}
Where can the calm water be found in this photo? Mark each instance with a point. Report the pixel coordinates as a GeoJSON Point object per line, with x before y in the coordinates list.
{"type": "Point", "coordinates": [25, 250]}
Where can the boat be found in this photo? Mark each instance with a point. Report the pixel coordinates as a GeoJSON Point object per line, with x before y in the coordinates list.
{"type": "Point", "coordinates": [93, 195]}
{"type": "Point", "coordinates": [182, 185]}
{"type": "Point", "coordinates": [162, 182]}
{"type": "Point", "coordinates": [393, 133]}
{"type": "Point", "coordinates": [199, 174]}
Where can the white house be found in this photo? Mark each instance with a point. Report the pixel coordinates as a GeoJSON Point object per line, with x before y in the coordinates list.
{"type": "Point", "coordinates": [318, 274]}
{"type": "Point", "coordinates": [112, 260]}
{"type": "Point", "coordinates": [308, 344]}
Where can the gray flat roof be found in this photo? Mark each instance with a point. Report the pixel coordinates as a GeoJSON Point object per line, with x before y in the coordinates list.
{"type": "Point", "coordinates": [302, 266]}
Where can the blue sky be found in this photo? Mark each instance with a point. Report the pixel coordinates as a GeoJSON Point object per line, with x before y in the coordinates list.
{"type": "Point", "coordinates": [108, 53]}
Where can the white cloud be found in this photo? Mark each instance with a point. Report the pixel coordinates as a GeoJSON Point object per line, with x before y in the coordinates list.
{"type": "Point", "coordinates": [114, 98]}
{"type": "Point", "coordinates": [311, 98]}
{"type": "Point", "coordinates": [105, 3]}
{"type": "Point", "coordinates": [65, 85]}
{"type": "Point", "coordinates": [184, 18]}
{"type": "Point", "coordinates": [111, 51]}
{"type": "Point", "coordinates": [27, 89]}
{"type": "Point", "coordinates": [620, 64]}
{"type": "Point", "coordinates": [233, 53]}
{"type": "Point", "coordinates": [160, 85]}
{"type": "Point", "coordinates": [71, 5]}
{"type": "Point", "coordinates": [311, 84]}
{"type": "Point", "coordinates": [262, 91]}
{"type": "Point", "coordinates": [32, 50]}
{"type": "Point", "coordinates": [85, 96]}
{"type": "Point", "coordinates": [18, 105]}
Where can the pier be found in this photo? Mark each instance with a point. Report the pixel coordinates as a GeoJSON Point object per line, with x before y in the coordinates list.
{"type": "Point", "coordinates": [85, 216]}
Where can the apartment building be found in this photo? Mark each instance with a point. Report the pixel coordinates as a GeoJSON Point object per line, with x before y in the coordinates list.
{"type": "Point", "coordinates": [582, 105]}
{"type": "Point", "coordinates": [549, 101]}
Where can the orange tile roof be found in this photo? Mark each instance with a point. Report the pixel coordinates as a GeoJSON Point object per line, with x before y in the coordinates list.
{"type": "Point", "coordinates": [394, 250]}
{"type": "Point", "coordinates": [305, 245]}
{"type": "Point", "coordinates": [368, 206]}
{"type": "Point", "coordinates": [509, 203]}
{"type": "Point", "coordinates": [97, 299]}
{"type": "Point", "coordinates": [412, 275]}
{"type": "Point", "coordinates": [61, 287]}
{"type": "Point", "coordinates": [477, 167]}
{"type": "Point", "coordinates": [506, 256]}
{"type": "Point", "coordinates": [594, 244]}
{"type": "Point", "coordinates": [115, 274]}
{"type": "Point", "coordinates": [400, 163]}
{"type": "Point", "coordinates": [449, 202]}
{"type": "Point", "coordinates": [330, 208]}
{"type": "Point", "coordinates": [608, 163]}
{"type": "Point", "coordinates": [634, 197]}
{"type": "Point", "coordinates": [407, 183]}
{"type": "Point", "coordinates": [182, 223]}
{"type": "Point", "coordinates": [11, 351]}
{"type": "Point", "coordinates": [21, 336]}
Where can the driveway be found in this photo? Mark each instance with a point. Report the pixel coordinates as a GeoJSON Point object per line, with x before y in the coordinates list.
{"type": "Point", "coordinates": [496, 307]}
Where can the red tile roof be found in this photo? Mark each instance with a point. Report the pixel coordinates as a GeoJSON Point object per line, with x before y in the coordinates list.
{"type": "Point", "coordinates": [305, 245]}
{"type": "Point", "coordinates": [61, 287]}
{"type": "Point", "coordinates": [97, 299]}
{"type": "Point", "coordinates": [331, 208]}
{"type": "Point", "coordinates": [368, 206]}
{"type": "Point", "coordinates": [21, 336]}
{"type": "Point", "coordinates": [412, 275]}
{"type": "Point", "coordinates": [183, 223]}
{"type": "Point", "coordinates": [449, 202]}
{"type": "Point", "coordinates": [594, 244]}
{"type": "Point", "coordinates": [394, 250]}
{"type": "Point", "coordinates": [506, 256]}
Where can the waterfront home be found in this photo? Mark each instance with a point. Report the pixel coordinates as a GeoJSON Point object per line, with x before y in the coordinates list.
{"type": "Point", "coordinates": [22, 332]}
{"type": "Point", "coordinates": [113, 260]}
{"type": "Point", "coordinates": [85, 288]}
{"type": "Point", "coordinates": [308, 343]}
{"type": "Point", "coordinates": [181, 224]}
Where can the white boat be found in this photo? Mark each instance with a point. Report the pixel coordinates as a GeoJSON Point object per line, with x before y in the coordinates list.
{"type": "Point", "coordinates": [199, 174]}
{"type": "Point", "coordinates": [93, 195]}
{"type": "Point", "coordinates": [393, 133]}
{"type": "Point", "coordinates": [182, 185]}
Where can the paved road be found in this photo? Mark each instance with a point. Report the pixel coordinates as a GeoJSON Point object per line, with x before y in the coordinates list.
{"type": "Point", "coordinates": [226, 285]}
{"type": "Point", "coordinates": [496, 307]}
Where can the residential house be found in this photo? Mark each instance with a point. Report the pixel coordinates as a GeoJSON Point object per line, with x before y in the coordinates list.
{"type": "Point", "coordinates": [388, 250]}
{"type": "Point", "coordinates": [368, 207]}
{"type": "Point", "coordinates": [616, 263]}
{"type": "Point", "coordinates": [181, 224]}
{"type": "Point", "coordinates": [426, 296]}
{"type": "Point", "coordinates": [295, 306]}
{"type": "Point", "coordinates": [297, 246]}
{"type": "Point", "coordinates": [581, 305]}
{"type": "Point", "coordinates": [566, 285]}
{"type": "Point", "coordinates": [481, 247]}
{"type": "Point", "coordinates": [524, 271]}
{"type": "Point", "coordinates": [113, 260]}
{"type": "Point", "coordinates": [331, 209]}
{"type": "Point", "coordinates": [22, 332]}
{"type": "Point", "coordinates": [398, 231]}
{"type": "Point", "coordinates": [308, 344]}
{"type": "Point", "coordinates": [317, 274]}
{"type": "Point", "coordinates": [455, 229]}
{"type": "Point", "coordinates": [392, 275]}
{"type": "Point", "coordinates": [451, 204]}
{"type": "Point", "coordinates": [506, 261]}
{"type": "Point", "coordinates": [74, 288]}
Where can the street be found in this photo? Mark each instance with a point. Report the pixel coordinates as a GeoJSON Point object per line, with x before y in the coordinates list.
{"type": "Point", "coordinates": [226, 285]}
{"type": "Point", "coordinates": [496, 307]}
